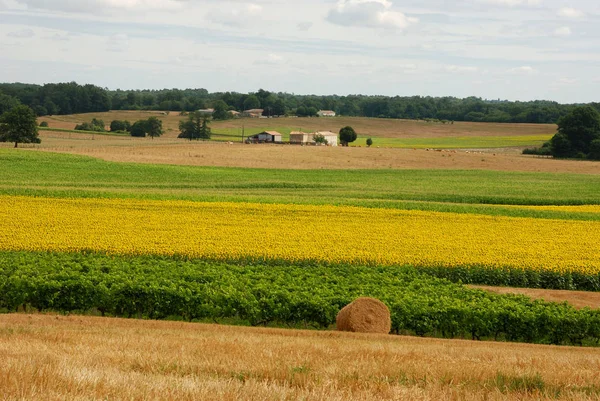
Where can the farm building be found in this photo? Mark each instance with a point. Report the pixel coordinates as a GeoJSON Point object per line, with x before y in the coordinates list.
{"type": "Point", "coordinates": [206, 111]}
{"type": "Point", "coordinates": [304, 138]}
{"type": "Point", "coordinates": [326, 113]}
{"type": "Point", "coordinates": [265, 137]}
{"type": "Point", "coordinates": [253, 113]}
{"type": "Point", "coordinates": [301, 138]}
{"type": "Point", "coordinates": [331, 137]}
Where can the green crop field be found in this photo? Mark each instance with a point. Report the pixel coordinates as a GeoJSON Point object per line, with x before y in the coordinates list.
{"type": "Point", "coordinates": [49, 174]}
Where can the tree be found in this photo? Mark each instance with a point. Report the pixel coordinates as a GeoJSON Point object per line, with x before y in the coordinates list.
{"type": "Point", "coordinates": [594, 150]}
{"type": "Point", "coordinates": [369, 142]}
{"type": "Point", "coordinates": [320, 139]}
{"type": "Point", "coordinates": [120, 125]}
{"type": "Point", "coordinates": [154, 127]}
{"type": "Point", "coordinates": [576, 132]}
{"type": "Point", "coordinates": [347, 135]}
{"type": "Point", "coordinates": [139, 129]}
{"type": "Point", "coordinates": [95, 125]}
{"type": "Point", "coordinates": [7, 103]}
{"type": "Point", "coordinates": [195, 127]}
{"type": "Point", "coordinates": [251, 102]}
{"type": "Point", "coordinates": [221, 111]}
{"type": "Point", "coordinates": [19, 125]}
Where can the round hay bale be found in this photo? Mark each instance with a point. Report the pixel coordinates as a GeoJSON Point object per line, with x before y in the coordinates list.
{"type": "Point", "coordinates": [365, 315]}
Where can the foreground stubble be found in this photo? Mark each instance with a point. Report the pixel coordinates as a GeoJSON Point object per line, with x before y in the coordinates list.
{"type": "Point", "coordinates": [84, 358]}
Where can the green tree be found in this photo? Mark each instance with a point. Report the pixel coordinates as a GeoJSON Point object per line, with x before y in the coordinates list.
{"type": "Point", "coordinates": [139, 128]}
{"type": "Point", "coordinates": [576, 132]}
{"type": "Point", "coordinates": [19, 125]}
{"type": "Point", "coordinates": [7, 103]}
{"type": "Point", "coordinates": [594, 150]}
{"type": "Point", "coordinates": [221, 111]}
{"type": "Point", "coordinates": [195, 127]}
{"type": "Point", "coordinates": [369, 142]}
{"type": "Point", "coordinates": [347, 135]}
{"type": "Point", "coordinates": [95, 125]}
{"type": "Point", "coordinates": [154, 127]}
{"type": "Point", "coordinates": [251, 102]}
{"type": "Point", "coordinates": [120, 125]}
{"type": "Point", "coordinates": [320, 139]}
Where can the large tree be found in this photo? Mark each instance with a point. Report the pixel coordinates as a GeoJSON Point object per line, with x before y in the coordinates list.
{"type": "Point", "coordinates": [576, 132]}
{"type": "Point", "coordinates": [19, 125]}
{"type": "Point", "coordinates": [347, 135]}
{"type": "Point", "coordinates": [154, 126]}
{"type": "Point", "coordinates": [195, 127]}
{"type": "Point", "coordinates": [221, 111]}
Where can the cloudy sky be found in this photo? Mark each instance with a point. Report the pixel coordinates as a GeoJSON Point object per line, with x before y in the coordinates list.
{"type": "Point", "coordinates": [508, 49]}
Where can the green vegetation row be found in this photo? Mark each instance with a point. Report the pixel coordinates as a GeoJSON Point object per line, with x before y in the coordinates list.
{"type": "Point", "coordinates": [70, 98]}
{"type": "Point", "coordinates": [161, 288]}
{"type": "Point", "coordinates": [516, 277]}
{"type": "Point", "coordinates": [48, 174]}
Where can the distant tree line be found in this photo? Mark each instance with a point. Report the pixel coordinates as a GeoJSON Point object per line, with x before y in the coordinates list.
{"type": "Point", "coordinates": [70, 98]}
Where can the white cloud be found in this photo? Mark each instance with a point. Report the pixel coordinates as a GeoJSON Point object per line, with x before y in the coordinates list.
{"type": "Point", "coordinates": [272, 59]}
{"type": "Point", "coordinates": [563, 31]}
{"type": "Point", "coordinates": [515, 3]}
{"type": "Point", "coordinates": [95, 6]}
{"type": "Point", "coordinates": [369, 13]}
{"type": "Point", "coordinates": [22, 34]}
{"type": "Point", "coordinates": [304, 26]}
{"type": "Point", "coordinates": [237, 16]}
{"type": "Point", "coordinates": [524, 70]}
{"type": "Point", "coordinates": [568, 81]}
{"type": "Point", "coordinates": [117, 43]}
{"type": "Point", "coordinates": [569, 12]}
{"type": "Point", "coordinates": [460, 69]}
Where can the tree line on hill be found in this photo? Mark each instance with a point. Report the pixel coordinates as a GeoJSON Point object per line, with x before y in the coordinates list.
{"type": "Point", "coordinates": [71, 98]}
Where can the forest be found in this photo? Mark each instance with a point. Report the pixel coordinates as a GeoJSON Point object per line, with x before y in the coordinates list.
{"type": "Point", "coordinates": [72, 98]}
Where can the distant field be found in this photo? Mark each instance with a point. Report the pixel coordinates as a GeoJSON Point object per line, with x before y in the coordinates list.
{"type": "Point", "coordinates": [23, 172]}
{"type": "Point", "coordinates": [390, 132]}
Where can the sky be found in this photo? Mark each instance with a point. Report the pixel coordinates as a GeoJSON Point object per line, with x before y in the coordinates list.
{"type": "Point", "coordinates": [494, 49]}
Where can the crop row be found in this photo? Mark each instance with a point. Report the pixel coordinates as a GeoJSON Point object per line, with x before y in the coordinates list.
{"type": "Point", "coordinates": [297, 233]}
{"type": "Point", "coordinates": [160, 288]}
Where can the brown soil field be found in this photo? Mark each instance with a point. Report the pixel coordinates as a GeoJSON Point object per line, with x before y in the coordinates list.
{"type": "Point", "coordinates": [88, 358]}
{"type": "Point", "coordinates": [579, 299]}
{"type": "Point", "coordinates": [376, 127]}
{"type": "Point", "coordinates": [166, 150]}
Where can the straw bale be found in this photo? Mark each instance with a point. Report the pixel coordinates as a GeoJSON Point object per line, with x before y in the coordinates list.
{"type": "Point", "coordinates": [365, 315]}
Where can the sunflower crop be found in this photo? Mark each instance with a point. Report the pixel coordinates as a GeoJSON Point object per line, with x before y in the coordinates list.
{"type": "Point", "coordinates": [295, 233]}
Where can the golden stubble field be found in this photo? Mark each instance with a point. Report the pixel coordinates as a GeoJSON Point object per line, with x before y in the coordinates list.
{"type": "Point", "coordinates": [83, 358]}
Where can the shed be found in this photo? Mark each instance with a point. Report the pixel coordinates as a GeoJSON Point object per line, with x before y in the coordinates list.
{"type": "Point", "coordinates": [301, 138]}
{"type": "Point", "coordinates": [265, 137]}
{"type": "Point", "coordinates": [253, 113]}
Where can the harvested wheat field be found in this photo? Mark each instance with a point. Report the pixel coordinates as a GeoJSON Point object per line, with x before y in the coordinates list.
{"type": "Point", "coordinates": [81, 358]}
{"type": "Point", "coordinates": [174, 151]}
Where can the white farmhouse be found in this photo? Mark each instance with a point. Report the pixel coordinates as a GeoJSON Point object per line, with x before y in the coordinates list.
{"type": "Point", "coordinates": [326, 113]}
